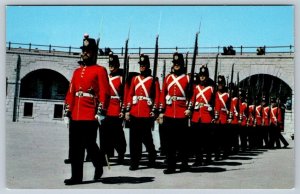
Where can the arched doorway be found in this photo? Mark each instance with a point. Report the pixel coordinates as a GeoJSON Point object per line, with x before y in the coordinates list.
{"type": "Point", "coordinates": [268, 85]}
{"type": "Point", "coordinates": [44, 84]}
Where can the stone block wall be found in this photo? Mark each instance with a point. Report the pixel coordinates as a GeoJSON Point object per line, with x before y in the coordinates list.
{"type": "Point", "coordinates": [280, 65]}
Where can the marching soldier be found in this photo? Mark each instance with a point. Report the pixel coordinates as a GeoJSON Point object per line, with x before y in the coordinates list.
{"type": "Point", "coordinates": [88, 92]}
{"type": "Point", "coordinates": [243, 120]}
{"type": "Point", "coordinates": [233, 119]}
{"type": "Point", "coordinates": [202, 118]}
{"type": "Point", "coordinates": [250, 125]}
{"type": "Point", "coordinates": [276, 125]}
{"type": "Point", "coordinates": [111, 132]}
{"type": "Point", "coordinates": [260, 137]}
{"type": "Point", "coordinates": [265, 121]}
{"type": "Point", "coordinates": [221, 116]}
{"type": "Point", "coordinates": [140, 110]}
{"type": "Point", "coordinates": [174, 114]}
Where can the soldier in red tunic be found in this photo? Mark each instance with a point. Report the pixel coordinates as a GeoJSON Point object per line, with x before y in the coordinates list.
{"type": "Point", "coordinates": [88, 92]}
{"type": "Point", "coordinates": [250, 126]}
{"type": "Point", "coordinates": [259, 130]}
{"type": "Point", "coordinates": [174, 114]}
{"type": "Point", "coordinates": [202, 118]}
{"type": "Point", "coordinates": [233, 120]}
{"type": "Point", "coordinates": [111, 131]}
{"type": "Point", "coordinates": [243, 115]}
{"type": "Point", "coordinates": [265, 111]}
{"type": "Point", "coordinates": [140, 110]}
{"type": "Point", "coordinates": [221, 117]}
{"type": "Point", "coordinates": [276, 123]}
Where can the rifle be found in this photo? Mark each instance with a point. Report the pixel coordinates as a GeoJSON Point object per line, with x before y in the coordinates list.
{"type": "Point", "coordinates": [213, 99]}
{"type": "Point", "coordinates": [238, 95]}
{"type": "Point", "coordinates": [163, 75]}
{"type": "Point", "coordinates": [247, 100]}
{"type": "Point", "coordinates": [152, 89]}
{"type": "Point", "coordinates": [262, 93]}
{"type": "Point", "coordinates": [230, 88]}
{"type": "Point", "coordinates": [278, 100]}
{"type": "Point", "coordinates": [98, 41]}
{"type": "Point", "coordinates": [125, 69]}
{"type": "Point", "coordinates": [191, 83]}
{"type": "Point", "coordinates": [254, 98]}
{"type": "Point", "coordinates": [186, 62]}
{"type": "Point", "coordinates": [270, 92]}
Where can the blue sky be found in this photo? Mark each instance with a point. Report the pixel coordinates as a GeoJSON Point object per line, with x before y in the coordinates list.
{"type": "Point", "coordinates": [220, 25]}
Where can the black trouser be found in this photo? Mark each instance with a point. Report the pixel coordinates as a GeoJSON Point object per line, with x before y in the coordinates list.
{"type": "Point", "coordinates": [82, 136]}
{"type": "Point", "coordinates": [251, 137]}
{"type": "Point", "coordinates": [276, 137]}
{"type": "Point", "coordinates": [204, 140]}
{"type": "Point", "coordinates": [224, 134]}
{"type": "Point", "coordinates": [255, 133]}
{"type": "Point", "coordinates": [234, 139]}
{"type": "Point", "coordinates": [176, 140]}
{"type": "Point", "coordinates": [141, 133]}
{"type": "Point", "coordinates": [265, 135]}
{"type": "Point", "coordinates": [162, 138]}
{"type": "Point", "coordinates": [281, 138]}
{"type": "Point", "coordinates": [243, 137]}
{"type": "Point", "coordinates": [112, 136]}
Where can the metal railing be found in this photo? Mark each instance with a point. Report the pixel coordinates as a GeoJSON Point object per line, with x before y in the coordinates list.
{"type": "Point", "coordinates": [105, 50]}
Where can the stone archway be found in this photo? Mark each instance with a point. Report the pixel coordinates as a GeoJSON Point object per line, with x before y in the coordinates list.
{"type": "Point", "coordinates": [276, 71]}
{"type": "Point", "coordinates": [44, 84]}
{"type": "Point", "coordinates": [265, 84]}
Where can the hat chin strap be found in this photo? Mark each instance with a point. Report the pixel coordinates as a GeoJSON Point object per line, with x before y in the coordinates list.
{"type": "Point", "coordinates": [88, 62]}
{"type": "Point", "coordinates": [179, 71]}
{"type": "Point", "coordinates": [146, 72]}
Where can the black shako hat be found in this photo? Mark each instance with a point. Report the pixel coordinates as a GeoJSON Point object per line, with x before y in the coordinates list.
{"type": "Point", "coordinates": [221, 80]}
{"type": "Point", "coordinates": [113, 60]}
{"type": "Point", "coordinates": [89, 43]}
{"type": "Point", "coordinates": [178, 59]}
{"type": "Point", "coordinates": [204, 71]}
{"type": "Point", "coordinates": [144, 61]}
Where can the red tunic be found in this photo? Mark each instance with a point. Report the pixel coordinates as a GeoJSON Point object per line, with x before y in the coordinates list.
{"type": "Point", "coordinates": [251, 116]}
{"type": "Point", "coordinates": [220, 106]}
{"type": "Point", "coordinates": [92, 83]}
{"type": "Point", "coordinates": [138, 96]}
{"type": "Point", "coordinates": [265, 121]}
{"type": "Point", "coordinates": [275, 117]}
{"type": "Point", "coordinates": [243, 116]}
{"type": "Point", "coordinates": [202, 109]}
{"type": "Point", "coordinates": [258, 118]}
{"type": "Point", "coordinates": [233, 110]}
{"type": "Point", "coordinates": [173, 95]}
{"type": "Point", "coordinates": [115, 84]}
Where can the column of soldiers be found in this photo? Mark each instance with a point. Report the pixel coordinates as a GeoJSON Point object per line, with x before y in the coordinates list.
{"type": "Point", "coordinates": [214, 123]}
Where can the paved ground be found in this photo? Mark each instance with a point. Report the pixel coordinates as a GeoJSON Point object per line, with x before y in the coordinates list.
{"type": "Point", "coordinates": [35, 153]}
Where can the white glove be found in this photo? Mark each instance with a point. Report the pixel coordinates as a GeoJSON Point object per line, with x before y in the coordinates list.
{"type": "Point", "coordinates": [187, 113]}
{"type": "Point", "coordinates": [229, 120]}
{"type": "Point", "coordinates": [67, 120]}
{"type": "Point", "coordinates": [127, 116]}
{"type": "Point", "coordinates": [99, 118]}
{"type": "Point", "coordinates": [160, 118]}
{"type": "Point", "coordinates": [121, 115]}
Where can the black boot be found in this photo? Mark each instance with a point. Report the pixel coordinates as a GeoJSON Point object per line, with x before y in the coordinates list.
{"type": "Point", "coordinates": [77, 174]}
{"type": "Point", "coordinates": [184, 167]}
{"type": "Point", "coordinates": [120, 159]}
{"type": "Point", "coordinates": [152, 159]}
{"type": "Point", "coordinates": [67, 161]}
{"type": "Point", "coordinates": [98, 172]}
{"type": "Point", "coordinates": [169, 171]}
{"type": "Point", "coordinates": [72, 181]}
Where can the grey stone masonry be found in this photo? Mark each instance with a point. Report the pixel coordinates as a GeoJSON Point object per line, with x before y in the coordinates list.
{"type": "Point", "coordinates": [280, 65]}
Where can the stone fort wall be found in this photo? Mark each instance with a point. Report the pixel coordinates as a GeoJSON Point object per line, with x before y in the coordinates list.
{"type": "Point", "coordinates": [280, 65]}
